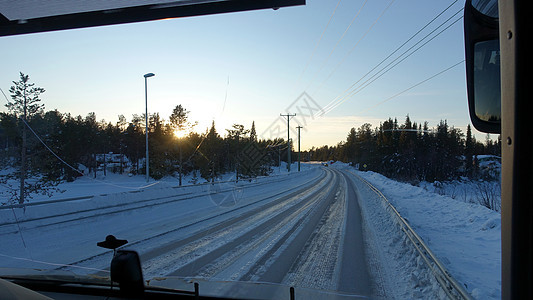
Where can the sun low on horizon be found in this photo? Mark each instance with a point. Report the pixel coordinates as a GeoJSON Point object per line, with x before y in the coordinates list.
{"type": "Point", "coordinates": [253, 66]}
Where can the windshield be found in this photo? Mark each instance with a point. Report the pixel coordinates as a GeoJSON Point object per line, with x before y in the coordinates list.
{"type": "Point", "coordinates": [311, 147]}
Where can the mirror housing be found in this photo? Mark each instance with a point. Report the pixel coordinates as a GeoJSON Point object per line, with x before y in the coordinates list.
{"type": "Point", "coordinates": [483, 64]}
{"type": "Point", "coordinates": [126, 270]}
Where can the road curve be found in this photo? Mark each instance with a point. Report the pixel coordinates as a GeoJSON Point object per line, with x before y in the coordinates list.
{"type": "Point", "coordinates": [307, 235]}
{"type": "Point", "coordinates": [312, 240]}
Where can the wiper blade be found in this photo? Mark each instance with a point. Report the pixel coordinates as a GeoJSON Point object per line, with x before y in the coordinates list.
{"type": "Point", "coordinates": [52, 276]}
{"type": "Point", "coordinates": [246, 289]}
{"type": "Point", "coordinates": [58, 278]}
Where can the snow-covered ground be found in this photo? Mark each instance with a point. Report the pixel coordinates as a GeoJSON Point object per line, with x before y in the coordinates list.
{"type": "Point", "coordinates": [112, 183]}
{"type": "Point", "coordinates": [60, 244]}
{"type": "Point", "coordinates": [483, 192]}
{"type": "Point", "coordinates": [464, 236]}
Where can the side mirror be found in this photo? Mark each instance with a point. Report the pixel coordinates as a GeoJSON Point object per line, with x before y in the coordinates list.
{"type": "Point", "coordinates": [482, 46]}
{"type": "Point", "coordinates": [126, 270]}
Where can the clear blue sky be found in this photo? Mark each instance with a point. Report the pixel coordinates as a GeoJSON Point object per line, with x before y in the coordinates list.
{"type": "Point", "coordinates": [270, 59]}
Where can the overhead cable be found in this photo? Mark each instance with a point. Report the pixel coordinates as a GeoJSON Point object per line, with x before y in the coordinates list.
{"type": "Point", "coordinates": [319, 40]}
{"type": "Point", "coordinates": [396, 50]}
{"type": "Point", "coordinates": [346, 94]}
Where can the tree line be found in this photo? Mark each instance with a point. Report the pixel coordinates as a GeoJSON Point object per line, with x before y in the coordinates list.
{"type": "Point", "coordinates": [410, 151]}
{"type": "Point", "coordinates": [43, 148]}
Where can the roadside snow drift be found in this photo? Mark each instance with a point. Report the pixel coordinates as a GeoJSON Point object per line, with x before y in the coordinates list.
{"type": "Point", "coordinates": [465, 237]}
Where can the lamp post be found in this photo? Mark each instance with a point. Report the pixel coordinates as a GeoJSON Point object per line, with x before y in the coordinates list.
{"type": "Point", "coordinates": [146, 121]}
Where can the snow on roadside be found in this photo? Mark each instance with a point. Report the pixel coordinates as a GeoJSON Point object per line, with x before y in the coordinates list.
{"type": "Point", "coordinates": [397, 270]}
{"type": "Point", "coordinates": [483, 192]}
{"type": "Point", "coordinates": [36, 247]}
{"type": "Point", "coordinates": [465, 237]}
{"type": "Point", "coordinates": [112, 183]}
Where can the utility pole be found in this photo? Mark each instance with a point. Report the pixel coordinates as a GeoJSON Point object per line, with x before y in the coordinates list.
{"type": "Point", "coordinates": [299, 127]}
{"type": "Point", "coordinates": [288, 140]}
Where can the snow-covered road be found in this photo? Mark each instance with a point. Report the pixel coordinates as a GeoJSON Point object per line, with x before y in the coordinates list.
{"type": "Point", "coordinates": [304, 230]}
{"type": "Point", "coordinates": [322, 231]}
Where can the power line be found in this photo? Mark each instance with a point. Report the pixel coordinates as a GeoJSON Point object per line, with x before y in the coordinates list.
{"type": "Point", "coordinates": [374, 78]}
{"type": "Point", "coordinates": [413, 86]}
{"type": "Point", "coordinates": [356, 44]}
{"type": "Point", "coordinates": [76, 170]}
{"type": "Point", "coordinates": [342, 98]}
{"type": "Point", "coordinates": [319, 40]}
{"type": "Point", "coordinates": [338, 41]}
{"type": "Point", "coordinates": [67, 164]}
{"type": "Point", "coordinates": [407, 130]}
{"type": "Point", "coordinates": [96, 180]}
{"type": "Point", "coordinates": [397, 49]}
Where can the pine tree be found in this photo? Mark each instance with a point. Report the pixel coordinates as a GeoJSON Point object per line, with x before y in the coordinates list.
{"type": "Point", "coordinates": [26, 104]}
{"type": "Point", "coordinates": [253, 133]}
{"type": "Point", "coordinates": [211, 154]}
{"type": "Point", "coordinates": [469, 151]}
{"type": "Point", "coordinates": [179, 118]}
{"type": "Point", "coordinates": [350, 148]}
{"type": "Point", "coordinates": [179, 121]}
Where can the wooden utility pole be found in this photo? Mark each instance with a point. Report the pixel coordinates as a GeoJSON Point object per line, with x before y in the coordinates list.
{"type": "Point", "coordinates": [288, 140]}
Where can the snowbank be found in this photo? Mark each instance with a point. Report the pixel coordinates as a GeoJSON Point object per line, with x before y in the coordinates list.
{"type": "Point", "coordinates": [465, 237]}
{"type": "Point", "coordinates": [113, 183]}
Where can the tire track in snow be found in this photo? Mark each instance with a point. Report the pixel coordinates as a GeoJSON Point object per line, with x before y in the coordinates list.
{"type": "Point", "coordinates": [318, 264]}
{"type": "Point", "coordinates": [245, 241]}
{"type": "Point", "coordinates": [354, 274]}
{"type": "Point", "coordinates": [207, 224]}
{"type": "Point", "coordinates": [275, 266]}
{"type": "Point", "coordinates": [100, 211]}
{"type": "Point", "coordinates": [313, 244]}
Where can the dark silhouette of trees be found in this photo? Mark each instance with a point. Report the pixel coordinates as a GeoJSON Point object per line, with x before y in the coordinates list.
{"type": "Point", "coordinates": [410, 151]}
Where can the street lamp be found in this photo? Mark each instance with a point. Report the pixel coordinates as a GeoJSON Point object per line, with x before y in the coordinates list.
{"type": "Point", "coordinates": [146, 122]}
